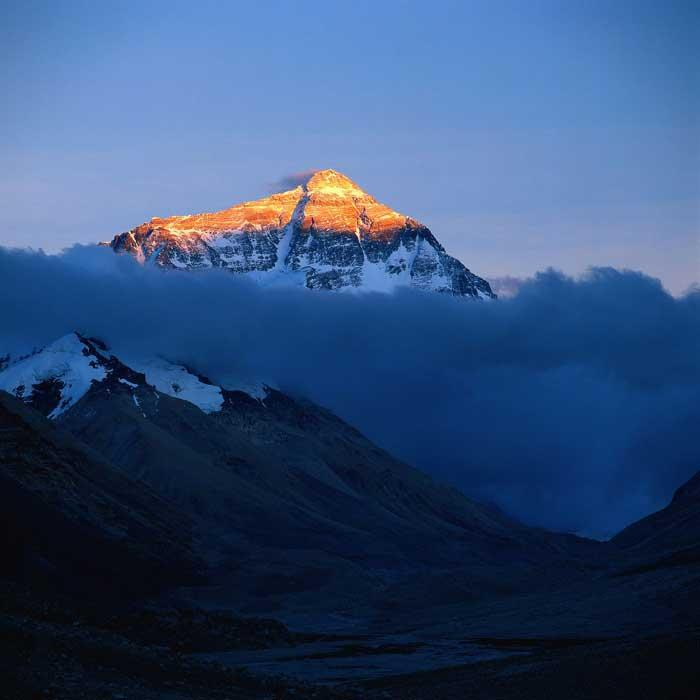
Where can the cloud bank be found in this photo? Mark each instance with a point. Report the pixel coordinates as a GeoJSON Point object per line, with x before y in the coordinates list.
{"type": "Point", "coordinates": [506, 286]}
{"type": "Point", "coordinates": [573, 405]}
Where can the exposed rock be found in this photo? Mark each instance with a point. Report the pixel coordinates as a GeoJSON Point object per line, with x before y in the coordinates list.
{"type": "Point", "coordinates": [327, 233]}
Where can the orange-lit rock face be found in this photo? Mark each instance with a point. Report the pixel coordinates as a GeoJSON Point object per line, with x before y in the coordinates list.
{"type": "Point", "coordinates": [335, 203]}
{"type": "Point", "coordinates": [330, 202]}
{"type": "Point", "coordinates": [327, 233]}
{"type": "Point", "coordinates": [271, 212]}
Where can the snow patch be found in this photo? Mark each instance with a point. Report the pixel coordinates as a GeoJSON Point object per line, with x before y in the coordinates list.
{"type": "Point", "coordinates": [65, 361]}
{"type": "Point", "coordinates": [176, 381]}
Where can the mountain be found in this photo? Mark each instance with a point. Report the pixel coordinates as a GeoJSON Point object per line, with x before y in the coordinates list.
{"type": "Point", "coordinates": [286, 498]}
{"type": "Point", "coordinates": [58, 376]}
{"type": "Point", "coordinates": [674, 529]}
{"type": "Point", "coordinates": [149, 478]}
{"type": "Point", "coordinates": [73, 521]}
{"type": "Point", "coordinates": [325, 234]}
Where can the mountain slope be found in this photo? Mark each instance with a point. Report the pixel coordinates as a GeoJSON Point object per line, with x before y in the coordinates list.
{"type": "Point", "coordinates": [71, 520]}
{"type": "Point", "coordinates": [673, 528]}
{"type": "Point", "coordinates": [325, 234]}
{"type": "Point", "coordinates": [285, 496]}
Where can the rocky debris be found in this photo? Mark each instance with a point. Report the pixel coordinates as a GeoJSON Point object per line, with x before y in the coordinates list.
{"type": "Point", "coordinates": [47, 660]}
{"type": "Point", "coordinates": [188, 630]}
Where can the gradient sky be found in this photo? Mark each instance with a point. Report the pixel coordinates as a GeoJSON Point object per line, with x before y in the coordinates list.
{"type": "Point", "coordinates": [524, 134]}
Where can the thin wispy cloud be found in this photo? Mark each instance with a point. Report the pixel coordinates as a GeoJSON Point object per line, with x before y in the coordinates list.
{"type": "Point", "coordinates": [292, 180]}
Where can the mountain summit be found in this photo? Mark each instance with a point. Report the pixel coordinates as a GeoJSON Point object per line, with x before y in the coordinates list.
{"type": "Point", "coordinates": [327, 233]}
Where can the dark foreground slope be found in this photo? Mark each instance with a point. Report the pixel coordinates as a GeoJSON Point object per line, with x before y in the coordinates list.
{"type": "Point", "coordinates": [73, 521]}
{"type": "Point", "coordinates": [296, 509]}
{"type": "Point", "coordinates": [83, 547]}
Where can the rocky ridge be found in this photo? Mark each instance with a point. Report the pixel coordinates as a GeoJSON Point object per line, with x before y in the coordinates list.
{"type": "Point", "coordinates": [325, 234]}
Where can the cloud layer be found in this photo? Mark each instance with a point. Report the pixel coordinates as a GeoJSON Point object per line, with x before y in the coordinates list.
{"type": "Point", "coordinates": [507, 286]}
{"type": "Point", "coordinates": [573, 405]}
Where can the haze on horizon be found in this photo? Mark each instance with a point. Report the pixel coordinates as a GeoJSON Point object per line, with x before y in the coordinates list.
{"type": "Point", "coordinates": [525, 138]}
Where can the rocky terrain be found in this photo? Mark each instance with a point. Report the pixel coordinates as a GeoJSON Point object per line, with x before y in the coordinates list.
{"type": "Point", "coordinates": [325, 234]}
{"type": "Point", "coordinates": [165, 536]}
{"type": "Point", "coordinates": [62, 649]}
{"type": "Point", "coordinates": [284, 497]}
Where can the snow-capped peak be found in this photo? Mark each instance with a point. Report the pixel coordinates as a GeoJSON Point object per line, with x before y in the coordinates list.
{"type": "Point", "coordinates": [58, 376]}
{"type": "Point", "coordinates": [54, 379]}
{"type": "Point", "coordinates": [334, 183]}
{"type": "Point", "coordinates": [327, 233]}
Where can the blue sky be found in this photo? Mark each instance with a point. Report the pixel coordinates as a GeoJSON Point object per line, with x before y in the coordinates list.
{"type": "Point", "coordinates": [524, 134]}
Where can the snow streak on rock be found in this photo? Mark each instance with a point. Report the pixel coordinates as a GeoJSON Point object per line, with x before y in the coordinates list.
{"type": "Point", "coordinates": [324, 234]}
{"type": "Point", "coordinates": [57, 377]}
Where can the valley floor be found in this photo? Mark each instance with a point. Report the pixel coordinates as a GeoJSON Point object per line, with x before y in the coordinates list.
{"type": "Point", "coordinates": [57, 651]}
{"type": "Point", "coordinates": [653, 668]}
{"type": "Point", "coordinates": [46, 660]}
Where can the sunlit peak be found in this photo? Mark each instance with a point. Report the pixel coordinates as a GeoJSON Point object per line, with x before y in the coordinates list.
{"type": "Point", "coordinates": [332, 182]}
